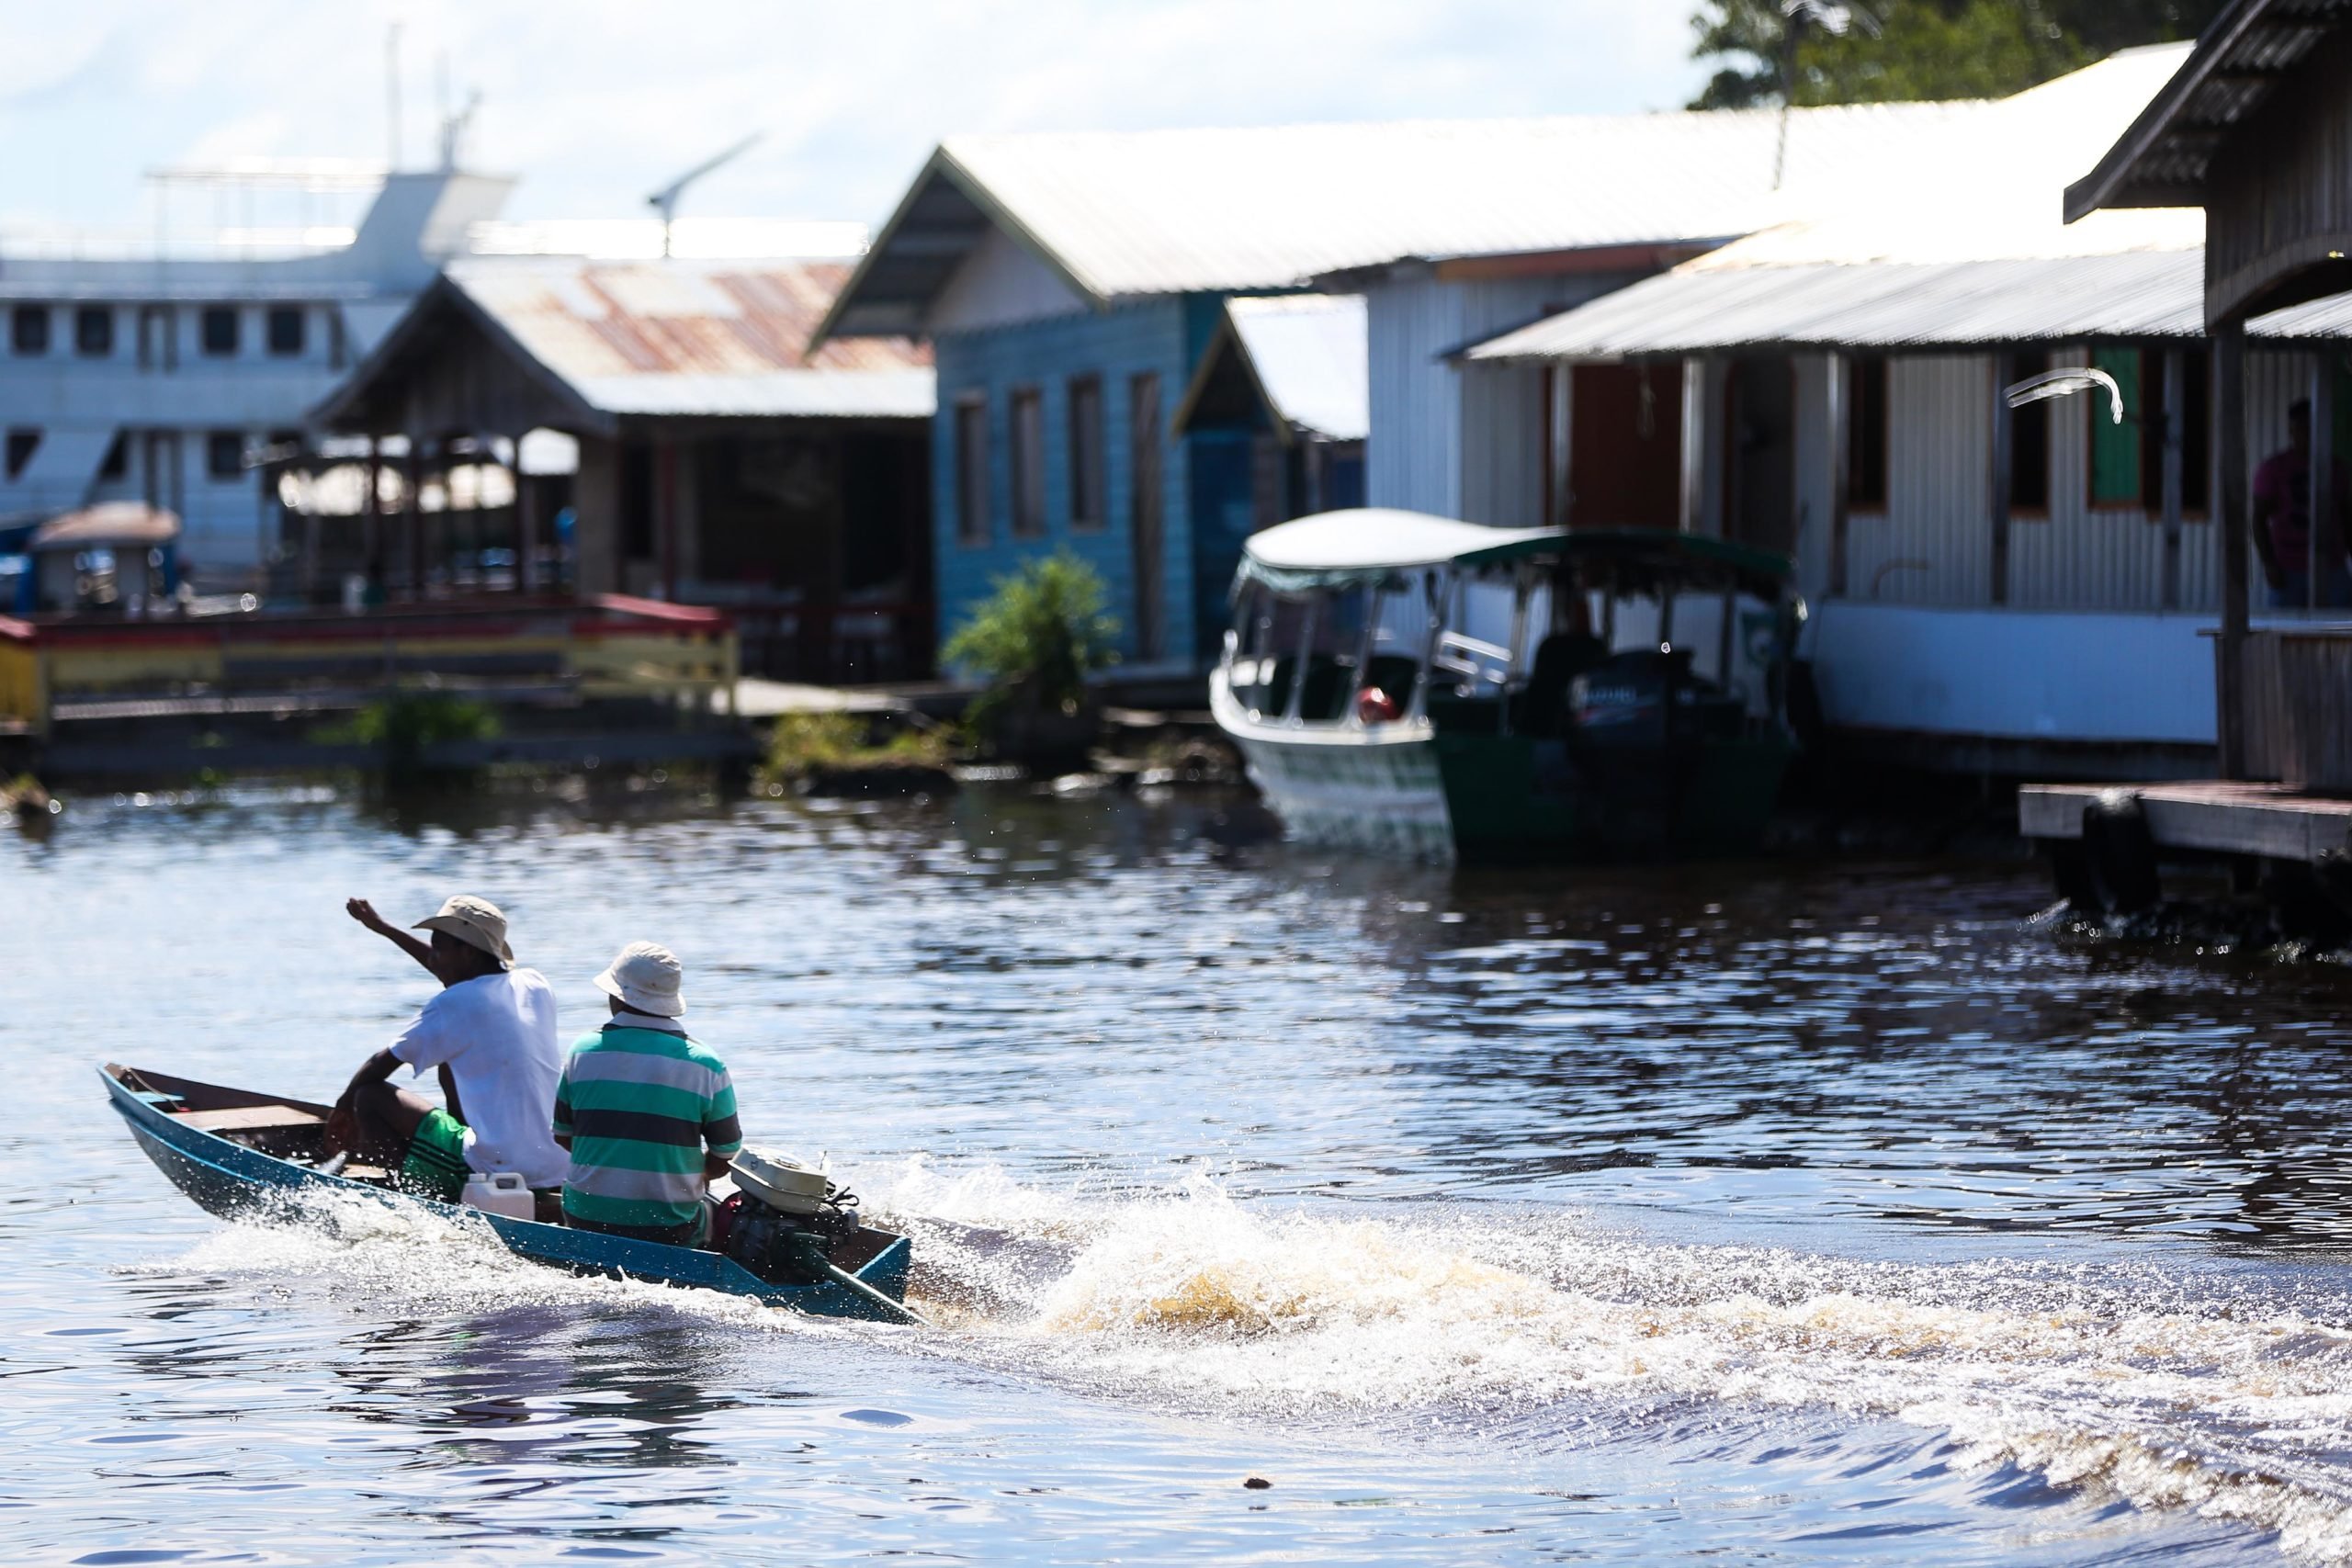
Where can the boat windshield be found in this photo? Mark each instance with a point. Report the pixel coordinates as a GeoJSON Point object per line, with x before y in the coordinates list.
{"type": "Point", "coordinates": [1310, 658]}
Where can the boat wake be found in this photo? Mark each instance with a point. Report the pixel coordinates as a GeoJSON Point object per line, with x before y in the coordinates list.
{"type": "Point", "coordinates": [2176, 1393]}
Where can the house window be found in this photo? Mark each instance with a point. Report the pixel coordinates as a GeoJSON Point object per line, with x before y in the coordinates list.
{"type": "Point", "coordinates": [1087, 508]}
{"type": "Point", "coordinates": [224, 455]}
{"type": "Point", "coordinates": [116, 462]}
{"type": "Point", "coordinates": [22, 444]}
{"type": "Point", "coordinates": [28, 329]}
{"type": "Point", "coordinates": [2117, 476]}
{"type": "Point", "coordinates": [1866, 435]}
{"type": "Point", "coordinates": [972, 469]}
{"type": "Point", "coordinates": [286, 328]}
{"type": "Point", "coordinates": [2196, 431]}
{"type": "Point", "coordinates": [1028, 465]}
{"type": "Point", "coordinates": [2028, 440]}
{"type": "Point", "coordinates": [94, 331]}
{"type": "Point", "coordinates": [220, 330]}
{"type": "Point", "coordinates": [2127, 466]}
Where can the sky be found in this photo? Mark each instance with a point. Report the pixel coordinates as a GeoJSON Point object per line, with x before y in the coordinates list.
{"type": "Point", "coordinates": [594, 103]}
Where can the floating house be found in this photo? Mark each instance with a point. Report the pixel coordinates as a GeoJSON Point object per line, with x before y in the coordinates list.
{"type": "Point", "coordinates": [157, 379]}
{"type": "Point", "coordinates": [720, 461]}
{"type": "Point", "coordinates": [1991, 588]}
{"type": "Point", "coordinates": [1076, 287]}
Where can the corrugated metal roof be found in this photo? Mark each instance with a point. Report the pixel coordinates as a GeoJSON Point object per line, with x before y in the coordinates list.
{"type": "Point", "coordinates": [2161, 159]}
{"type": "Point", "coordinates": [1307, 351]}
{"type": "Point", "coordinates": [1173, 212]}
{"type": "Point", "coordinates": [696, 337]}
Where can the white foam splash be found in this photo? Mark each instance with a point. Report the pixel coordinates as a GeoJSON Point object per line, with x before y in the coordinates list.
{"type": "Point", "coordinates": [2230, 1410]}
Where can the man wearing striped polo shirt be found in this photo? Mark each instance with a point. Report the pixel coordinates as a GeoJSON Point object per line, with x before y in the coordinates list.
{"type": "Point", "coordinates": [647, 1113]}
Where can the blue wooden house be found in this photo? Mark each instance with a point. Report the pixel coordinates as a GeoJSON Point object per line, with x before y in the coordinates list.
{"type": "Point", "coordinates": [1070, 328]}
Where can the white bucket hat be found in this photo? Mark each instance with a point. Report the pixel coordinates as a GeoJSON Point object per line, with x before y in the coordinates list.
{"type": "Point", "coordinates": [647, 977]}
{"type": "Point", "coordinates": [474, 921]}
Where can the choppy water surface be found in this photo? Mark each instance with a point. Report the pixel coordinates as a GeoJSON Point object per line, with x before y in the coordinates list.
{"type": "Point", "coordinates": [1802, 1214]}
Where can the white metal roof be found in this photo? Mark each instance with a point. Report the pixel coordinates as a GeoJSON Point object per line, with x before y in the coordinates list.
{"type": "Point", "coordinates": [1307, 351]}
{"type": "Point", "coordinates": [1120, 214]}
{"type": "Point", "coordinates": [1974, 250]}
{"type": "Point", "coordinates": [1369, 538]}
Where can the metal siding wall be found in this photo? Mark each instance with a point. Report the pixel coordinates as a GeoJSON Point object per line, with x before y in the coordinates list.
{"type": "Point", "coordinates": [1116, 345]}
{"type": "Point", "coordinates": [1932, 543]}
{"type": "Point", "coordinates": [1413, 458]}
{"type": "Point", "coordinates": [1456, 441]}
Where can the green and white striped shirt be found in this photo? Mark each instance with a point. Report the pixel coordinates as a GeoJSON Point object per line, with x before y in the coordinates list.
{"type": "Point", "coordinates": [640, 1101]}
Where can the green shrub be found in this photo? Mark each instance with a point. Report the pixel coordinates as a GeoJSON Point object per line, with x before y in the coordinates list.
{"type": "Point", "coordinates": [803, 743]}
{"type": "Point", "coordinates": [400, 728]}
{"type": "Point", "coordinates": [1042, 632]}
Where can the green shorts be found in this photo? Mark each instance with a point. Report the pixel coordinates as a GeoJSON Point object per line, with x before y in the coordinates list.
{"type": "Point", "coordinates": [436, 1164]}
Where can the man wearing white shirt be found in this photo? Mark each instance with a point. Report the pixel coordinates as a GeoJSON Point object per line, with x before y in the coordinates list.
{"type": "Point", "coordinates": [490, 1035]}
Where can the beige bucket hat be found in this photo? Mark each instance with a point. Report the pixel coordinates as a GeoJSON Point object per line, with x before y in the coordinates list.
{"type": "Point", "coordinates": [647, 977]}
{"type": "Point", "coordinates": [472, 919]}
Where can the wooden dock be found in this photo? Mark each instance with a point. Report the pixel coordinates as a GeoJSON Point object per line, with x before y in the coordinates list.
{"type": "Point", "coordinates": [2267, 821]}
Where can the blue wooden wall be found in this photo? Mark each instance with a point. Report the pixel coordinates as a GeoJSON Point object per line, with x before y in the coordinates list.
{"type": "Point", "coordinates": [1161, 335]}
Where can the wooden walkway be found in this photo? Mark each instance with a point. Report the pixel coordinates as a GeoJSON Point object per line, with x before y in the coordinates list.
{"type": "Point", "coordinates": [2270, 821]}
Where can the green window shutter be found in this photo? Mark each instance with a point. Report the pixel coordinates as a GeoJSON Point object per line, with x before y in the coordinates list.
{"type": "Point", "coordinates": [2115, 448]}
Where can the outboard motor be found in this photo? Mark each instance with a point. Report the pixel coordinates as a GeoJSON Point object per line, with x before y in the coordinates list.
{"type": "Point", "coordinates": [785, 1218]}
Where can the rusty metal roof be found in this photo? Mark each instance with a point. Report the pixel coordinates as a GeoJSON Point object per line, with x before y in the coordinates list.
{"type": "Point", "coordinates": [2161, 161]}
{"type": "Point", "coordinates": [682, 337]}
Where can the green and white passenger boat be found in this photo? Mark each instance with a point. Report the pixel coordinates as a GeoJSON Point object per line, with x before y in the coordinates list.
{"type": "Point", "coordinates": [1415, 685]}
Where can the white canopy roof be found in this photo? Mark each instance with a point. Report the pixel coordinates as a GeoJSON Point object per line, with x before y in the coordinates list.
{"type": "Point", "coordinates": [1372, 538]}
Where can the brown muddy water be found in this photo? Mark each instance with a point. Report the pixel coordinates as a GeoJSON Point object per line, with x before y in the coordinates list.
{"type": "Point", "coordinates": [1800, 1215]}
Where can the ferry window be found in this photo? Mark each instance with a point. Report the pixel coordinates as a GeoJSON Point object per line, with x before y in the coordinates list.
{"type": "Point", "coordinates": [2117, 476]}
{"type": "Point", "coordinates": [1028, 464]}
{"type": "Point", "coordinates": [116, 462]}
{"type": "Point", "coordinates": [972, 469]}
{"type": "Point", "coordinates": [1332, 675]}
{"type": "Point", "coordinates": [1866, 435]}
{"type": "Point", "coordinates": [1087, 490]}
{"type": "Point", "coordinates": [224, 455]}
{"type": "Point", "coordinates": [94, 331]}
{"type": "Point", "coordinates": [220, 330]}
{"type": "Point", "coordinates": [286, 329]}
{"type": "Point", "coordinates": [2029, 439]}
{"type": "Point", "coordinates": [22, 444]}
{"type": "Point", "coordinates": [28, 329]}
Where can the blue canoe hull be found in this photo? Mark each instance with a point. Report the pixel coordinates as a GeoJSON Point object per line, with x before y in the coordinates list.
{"type": "Point", "coordinates": [232, 1180]}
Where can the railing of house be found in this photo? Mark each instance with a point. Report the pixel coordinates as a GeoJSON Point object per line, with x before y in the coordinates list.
{"type": "Point", "coordinates": [609, 646]}
{"type": "Point", "coordinates": [2297, 697]}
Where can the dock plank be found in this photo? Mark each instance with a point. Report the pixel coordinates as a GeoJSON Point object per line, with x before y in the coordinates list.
{"type": "Point", "coordinates": [2213, 815]}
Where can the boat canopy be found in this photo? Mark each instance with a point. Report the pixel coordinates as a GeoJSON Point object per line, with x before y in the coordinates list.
{"type": "Point", "coordinates": [1335, 549]}
{"type": "Point", "coordinates": [1366, 543]}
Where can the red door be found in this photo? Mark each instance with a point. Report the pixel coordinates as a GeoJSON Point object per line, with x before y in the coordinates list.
{"type": "Point", "coordinates": [1625, 446]}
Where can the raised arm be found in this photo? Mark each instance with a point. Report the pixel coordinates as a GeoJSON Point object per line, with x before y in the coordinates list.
{"type": "Point", "coordinates": [365, 913]}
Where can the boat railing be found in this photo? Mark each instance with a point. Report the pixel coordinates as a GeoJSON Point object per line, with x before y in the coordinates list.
{"type": "Point", "coordinates": [1475, 659]}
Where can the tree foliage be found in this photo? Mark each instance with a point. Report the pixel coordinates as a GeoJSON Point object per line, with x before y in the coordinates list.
{"type": "Point", "coordinates": [1924, 49]}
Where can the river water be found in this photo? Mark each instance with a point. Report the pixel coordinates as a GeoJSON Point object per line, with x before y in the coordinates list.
{"type": "Point", "coordinates": [1812, 1214]}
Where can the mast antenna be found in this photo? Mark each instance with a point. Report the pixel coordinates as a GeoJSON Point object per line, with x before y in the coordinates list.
{"type": "Point", "coordinates": [665, 200]}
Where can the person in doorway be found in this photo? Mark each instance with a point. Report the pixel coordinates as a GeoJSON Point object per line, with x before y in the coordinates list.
{"type": "Point", "coordinates": [648, 1112]}
{"type": "Point", "coordinates": [490, 1035]}
{"type": "Point", "coordinates": [2282, 522]}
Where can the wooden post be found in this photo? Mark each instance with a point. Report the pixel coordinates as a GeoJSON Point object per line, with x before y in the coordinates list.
{"type": "Point", "coordinates": [2229, 690]}
{"type": "Point", "coordinates": [412, 513]}
{"type": "Point", "coordinates": [2004, 462]}
{"type": "Point", "coordinates": [2175, 386]}
{"type": "Point", "coordinates": [1560, 461]}
{"type": "Point", "coordinates": [2323, 472]}
{"type": "Point", "coordinates": [372, 525]}
{"type": "Point", "coordinates": [1693, 500]}
{"type": "Point", "coordinates": [665, 513]}
{"type": "Point", "coordinates": [527, 527]}
{"type": "Point", "coordinates": [1840, 390]}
